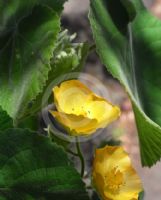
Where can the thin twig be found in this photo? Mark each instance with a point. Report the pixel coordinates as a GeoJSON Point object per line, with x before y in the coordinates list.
{"type": "Point", "coordinates": [80, 156]}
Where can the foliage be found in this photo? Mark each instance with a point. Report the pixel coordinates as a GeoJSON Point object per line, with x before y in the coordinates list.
{"type": "Point", "coordinates": [35, 51]}
{"type": "Point", "coordinates": [31, 56]}
{"type": "Point", "coordinates": [5, 121]}
{"type": "Point", "coordinates": [141, 196]}
{"type": "Point", "coordinates": [67, 57]}
{"type": "Point", "coordinates": [130, 49]}
{"type": "Point", "coordinates": [26, 49]}
{"type": "Point", "coordinates": [32, 167]}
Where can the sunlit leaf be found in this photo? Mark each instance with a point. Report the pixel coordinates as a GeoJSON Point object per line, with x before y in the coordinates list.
{"type": "Point", "coordinates": [28, 31]}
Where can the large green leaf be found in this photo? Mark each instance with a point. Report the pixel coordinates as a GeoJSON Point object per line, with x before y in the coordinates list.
{"type": "Point", "coordinates": [32, 167]}
{"type": "Point", "coordinates": [131, 51]}
{"type": "Point", "coordinates": [11, 13]}
{"type": "Point", "coordinates": [28, 31]}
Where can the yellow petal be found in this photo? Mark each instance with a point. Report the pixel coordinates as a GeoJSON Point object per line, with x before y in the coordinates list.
{"type": "Point", "coordinates": [75, 125]}
{"type": "Point", "coordinates": [70, 97]}
{"type": "Point", "coordinates": [102, 110]}
{"type": "Point", "coordinates": [102, 159]}
{"type": "Point", "coordinates": [121, 196]}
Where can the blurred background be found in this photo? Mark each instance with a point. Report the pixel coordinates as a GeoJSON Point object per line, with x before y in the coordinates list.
{"type": "Point", "coordinates": [75, 19]}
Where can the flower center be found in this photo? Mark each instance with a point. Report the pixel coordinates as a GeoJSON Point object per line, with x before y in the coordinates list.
{"type": "Point", "coordinates": [114, 180]}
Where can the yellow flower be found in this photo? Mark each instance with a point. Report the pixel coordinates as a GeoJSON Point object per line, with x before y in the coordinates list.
{"type": "Point", "coordinates": [114, 176]}
{"type": "Point", "coordinates": [81, 111]}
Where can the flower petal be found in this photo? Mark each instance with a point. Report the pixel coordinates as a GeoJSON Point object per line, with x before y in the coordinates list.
{"type": "Point", "coordinates": [103, 111]}
{"type": "Point", "coordinates": [75, 125]}
{"type": "Point", "coordinates": [70, 97]}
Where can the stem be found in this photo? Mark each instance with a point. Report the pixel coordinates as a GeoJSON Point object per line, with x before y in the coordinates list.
{"type": "Point", "coordinates": [73, 153]}
{"type": "Point", "coordinates": [80, 154]}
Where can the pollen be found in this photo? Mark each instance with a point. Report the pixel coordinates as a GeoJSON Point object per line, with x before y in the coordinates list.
{"type": "Point", "coordinates": [114, 179]}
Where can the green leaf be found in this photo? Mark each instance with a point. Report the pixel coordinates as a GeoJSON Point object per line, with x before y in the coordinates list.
{"type": "Point", "coordinates": [5, 121]}
{"type": "Point", "coordinates": [131, 52]}
{"type": "Point", "coordinates": [12, 13]}
{"type": "Point", "coordinates": [28, 32]}
{"type": "Point", "coordinates": [67, 57]}
{"type": "Point", "coordinates": [32, 167]}
{"type": "Point", "coordinates": [141, 195]}
{"type": "Point", "coordinates": [32, 122]}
